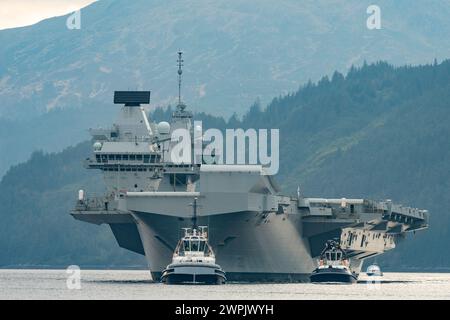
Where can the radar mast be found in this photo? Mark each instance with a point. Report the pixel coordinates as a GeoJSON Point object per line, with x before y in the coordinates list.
{"type": "Point", "coordinates": [181, 112]}
{"type": "Point", "coordinates": [180, 78]}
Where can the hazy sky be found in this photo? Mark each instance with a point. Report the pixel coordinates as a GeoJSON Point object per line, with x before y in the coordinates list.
{"type": "Point", "coordinates": [19, 13]}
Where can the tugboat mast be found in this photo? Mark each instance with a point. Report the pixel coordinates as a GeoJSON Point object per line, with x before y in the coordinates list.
{"type": "Point", "coordinates": [194, 218]}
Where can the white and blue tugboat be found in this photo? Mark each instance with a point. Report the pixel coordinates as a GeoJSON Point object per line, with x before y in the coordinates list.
{"type": "Point", "coordinates": [374, 271]}
{"type": "Point", "coordinates": [194, 261]}
{"type": "Point", "coordinates": [334, 266]}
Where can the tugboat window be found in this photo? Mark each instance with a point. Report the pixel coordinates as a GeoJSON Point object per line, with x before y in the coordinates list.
{"type": "Point", "coordinates": [195, 245]}
{"type": "Point", "coordinates": [202, 246]}
{"type": "Point", "coordinates": [187, 246]}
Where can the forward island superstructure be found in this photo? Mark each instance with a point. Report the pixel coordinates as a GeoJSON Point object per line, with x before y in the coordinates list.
{"type": "Point", "coordinates": [257, 234]}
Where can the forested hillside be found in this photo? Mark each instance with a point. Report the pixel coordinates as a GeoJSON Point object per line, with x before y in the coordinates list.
{"type": "Point", "coordinates": [235, 52]}
{"type": "Point", "coordinates": [378, 132]}
{"type": "Point", "coordinates": [37, 230]}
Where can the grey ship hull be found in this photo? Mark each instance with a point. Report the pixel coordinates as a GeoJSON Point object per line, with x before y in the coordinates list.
{"type": "Point", "coordinates": [247, 248]}
{"type": "Point", "coordinates": [256, 236]}
{"type": "Point", "coordinates": [255, 246]}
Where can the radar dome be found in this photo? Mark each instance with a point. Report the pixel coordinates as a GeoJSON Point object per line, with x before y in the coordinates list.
{"type": "Point", "coordinates": [98, 146]}
{"type": "Point", "coordinates": [164, 128]}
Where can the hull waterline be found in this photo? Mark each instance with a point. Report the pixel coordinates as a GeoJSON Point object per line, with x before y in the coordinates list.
{"type": "Point", "coordinates": [333, 275]}
{"type": "Point", "coordinates": [193, 274]}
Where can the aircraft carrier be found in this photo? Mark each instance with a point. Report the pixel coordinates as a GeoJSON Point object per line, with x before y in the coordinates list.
{"type": "Point", "coordinates": [257, 233]}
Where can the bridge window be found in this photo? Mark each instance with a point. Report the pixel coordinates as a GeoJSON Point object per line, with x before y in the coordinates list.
{"type": "Point", "coordinates": [195, 245]}
{"type": "Point", "coordinates": [118, 157]}
{"type": "Point", "coordinates": [125, 157]}
{"type": "Point", "coordinates": [139, 157]}
{"type": "Point", "coordinates": [132, 157]}
{"type": "Point", "coordinates": [363, 240]}
{"type": "Point", "coordinates": [111, 157]}
{"type": "Point", "coordinates": [146, 159]}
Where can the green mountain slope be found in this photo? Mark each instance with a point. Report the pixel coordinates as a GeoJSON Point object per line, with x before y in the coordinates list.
{"type": "Point", "coordinates": [37, 230]}
{"type": "Point", "coordinates": [236, 51]}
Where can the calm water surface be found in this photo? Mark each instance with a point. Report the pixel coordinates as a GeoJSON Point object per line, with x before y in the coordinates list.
{"type": "Point", "coordinates": [45, 284]}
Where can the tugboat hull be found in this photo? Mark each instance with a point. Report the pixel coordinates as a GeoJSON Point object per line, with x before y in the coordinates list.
{"type": "Point", "coordinates": [374, 274]}
{"type": "Point", "coordinates": [193, 274]}
{"type": "Point", "coordinates": [333, 275]}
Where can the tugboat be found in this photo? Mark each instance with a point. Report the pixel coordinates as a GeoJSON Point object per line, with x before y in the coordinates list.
{"type": "Point", "coordinates": [194, 261]}
{"type": "Point", "coordinates": [374, 271]}
{"type": "Point", "coordinates": [334, 266]}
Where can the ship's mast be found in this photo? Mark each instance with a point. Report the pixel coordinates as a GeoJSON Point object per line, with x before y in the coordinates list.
{"type": "Point", "coordinates": [180, 74]}
{"type": "Point", "coordinates": [181, 113]}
